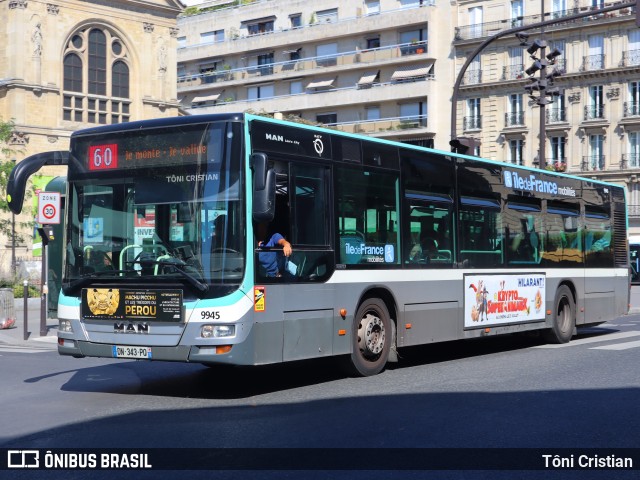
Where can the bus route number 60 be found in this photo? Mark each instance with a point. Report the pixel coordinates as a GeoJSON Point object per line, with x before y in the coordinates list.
{"type": "Point", "coordinates": [103, 157]}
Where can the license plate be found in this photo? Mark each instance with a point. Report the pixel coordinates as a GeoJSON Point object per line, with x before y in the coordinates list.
{"type": "Point", "coordinates": [126, 351]}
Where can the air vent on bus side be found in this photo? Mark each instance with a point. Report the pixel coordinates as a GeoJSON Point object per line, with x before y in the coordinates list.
{"type": "Point", "coordinates": [621, 256]}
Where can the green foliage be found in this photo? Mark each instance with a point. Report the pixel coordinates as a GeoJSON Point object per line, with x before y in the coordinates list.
{"type": "Point", "coordinates": [18, 291]}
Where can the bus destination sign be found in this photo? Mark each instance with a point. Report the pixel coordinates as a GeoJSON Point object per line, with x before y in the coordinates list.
{"type": "Point", "coordinates": [126, 304]}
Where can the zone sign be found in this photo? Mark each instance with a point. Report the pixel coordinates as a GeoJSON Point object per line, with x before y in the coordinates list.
{"type": "Point", "coordinates": [48, 208]}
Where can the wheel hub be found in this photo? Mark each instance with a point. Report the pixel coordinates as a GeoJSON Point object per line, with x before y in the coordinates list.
{"type": "Point", "coordinates": [371, 335]}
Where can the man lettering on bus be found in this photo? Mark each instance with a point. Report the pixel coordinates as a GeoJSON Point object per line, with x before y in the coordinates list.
{"type": "Point", "coordinates": [273, 262]}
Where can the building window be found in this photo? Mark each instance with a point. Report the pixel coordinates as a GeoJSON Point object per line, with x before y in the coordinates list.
{"type": "Point", "coordinates": [558, 160]}
{"type": "Point", "coordinates": [596, 156]}
{"type": "Point", "coordinates": [372, 7]}
{"type": "Point", "coordinates": [633, 156]}
{"type": "Point", "coordinates": [475, 20]}
{"type": "Point", "coordinates": [295, 20]}
{"type": "Point", "coordinates": [373, 43]}
{"type": "Point", "coordinates": [182, 42]}
{"type": "Point", "coordinates": [327, 16]}
{"type": "Point", "coordinates": [595, 109]}
{"type": "Point", "coordinates": [515, 116]}
{"type": "Point", "coordinates": [96, 78]}
{"type": "Point", "coordinates": [327, 118]}
{"type": "Point", "coordinates": [516, 148]}
{"type": "Point", "coordinates": [258, 27]}
{"type": "Point", "coordinates": [372, 113]}
{"type": "Point", "coordinates": [517, 12]}
{"type": "Point", "coordinates": [260, 92]}
{"type": "Point", "coordinates": [295, 87]}
{"type": "Point", "coordinates": [472, 121]}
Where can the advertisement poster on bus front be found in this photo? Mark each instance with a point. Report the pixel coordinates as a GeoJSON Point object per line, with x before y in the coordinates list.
{"type": "Point", "coordinates": [502, 299]}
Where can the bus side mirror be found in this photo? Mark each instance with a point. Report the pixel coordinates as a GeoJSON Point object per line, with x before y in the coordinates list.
{"type": "Point", "coordinates": [264, 188]}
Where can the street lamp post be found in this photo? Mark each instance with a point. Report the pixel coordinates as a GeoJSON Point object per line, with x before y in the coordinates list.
{"type": "Point", "coordinates": [461, 144]}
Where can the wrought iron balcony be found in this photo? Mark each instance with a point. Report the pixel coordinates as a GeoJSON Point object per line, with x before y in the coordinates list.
{"type": "Point", "coordinates": [514, 119]}
{"type": "Point", "coordinates": [472, 77]}
{"type": "Point", "coordinates": [472, 123]}
{"type": "Point", "coordinates": [592, 63]}
{"type": "Point", "coordinates": [630, 160]}
{"type": "Point", "coordinates": [630, 58]}
{"type": "Point", "coordinates": [477, 31]}
{"type": "Point", "coordinates": [594, 112]}
{"type": "Point", "coordinates": [556, 115]}
{"type": "Point", "coordinates": [513, 72]}
{"type": "Point", "coordinates": [631, 109]}
{"type": "Point", "coordinates": [593, 163]}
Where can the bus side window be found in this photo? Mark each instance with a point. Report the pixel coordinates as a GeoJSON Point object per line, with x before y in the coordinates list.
{"type": "Point", "coordinates": [480, 241]}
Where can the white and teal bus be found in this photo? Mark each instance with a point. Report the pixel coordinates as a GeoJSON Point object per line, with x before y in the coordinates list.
{"type": "Point", "coordinates": [394, 245]}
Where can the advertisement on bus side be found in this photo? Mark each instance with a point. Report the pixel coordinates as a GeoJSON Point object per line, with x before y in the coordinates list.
{"type": "Point", "coordinates": [502, 299]}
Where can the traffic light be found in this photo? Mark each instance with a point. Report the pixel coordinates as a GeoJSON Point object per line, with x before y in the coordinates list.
{"type": "Point", "coordinates": [465, 145]}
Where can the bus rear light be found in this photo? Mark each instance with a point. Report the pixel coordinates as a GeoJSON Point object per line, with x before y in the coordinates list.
{"type": "Point", "coordinates": [222, 349]}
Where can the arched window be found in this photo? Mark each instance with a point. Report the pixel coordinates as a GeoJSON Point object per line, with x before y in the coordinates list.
{"type": "Point", "coordinates": [96, 78]}
{"type": "Point", "coordinates": [72, 73]}
{"type": "Point", "coordinates": [120, 80]}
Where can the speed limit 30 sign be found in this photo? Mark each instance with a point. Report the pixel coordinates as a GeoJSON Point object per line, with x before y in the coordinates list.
{"type": "Point", "coordinates": [49, 208]}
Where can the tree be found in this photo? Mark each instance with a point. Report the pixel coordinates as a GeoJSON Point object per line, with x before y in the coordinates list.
{"type": "Point", "coordinates": [7, 154]}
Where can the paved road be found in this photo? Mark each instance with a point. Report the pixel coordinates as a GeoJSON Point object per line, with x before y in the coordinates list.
{"type": "Point", "coordinates": [493, 393]}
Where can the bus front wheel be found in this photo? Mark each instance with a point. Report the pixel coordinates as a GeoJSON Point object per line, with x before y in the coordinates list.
{"type": "Point", "coordinates": [372, 335]}
{"type": "Point", "coordinates": [564, 317]}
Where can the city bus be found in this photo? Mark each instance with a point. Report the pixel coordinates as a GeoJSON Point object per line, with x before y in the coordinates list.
{"type": "Point", "coordinates": [393, 245]}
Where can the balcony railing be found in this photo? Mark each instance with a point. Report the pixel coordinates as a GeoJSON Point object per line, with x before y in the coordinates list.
{"type": "Point", "coordinates": [556, 115]}
{"type": "Point", "coordinates": [513, 72]}
{"type": "Point", "coordinates": [472, 77]}
{"type": "Point", "coordinates": [557, 164]}
{"type": "Point", "coordinates": [630, 160]}
{"type": "Point", "coordinates": [472, 123]}
{"type": "Point", "coordinates": [232, 100]}
{"type": "Point", "coordinates": [235, 36]}
{"type": "Point", "coordinates": [631, 109]}
{"type": "Point", "coordinates": [594, 112]}
{"type": "Point", "coordinates": [631, 58]}
{"type": "Point", "coordinates": [368, 56]}
{"type": "Point", "coordinates": [592, 163]}
{"type": "Point", "coordinates": [514, 119]}
{"type": "Point", "coordinates": [390, 124]}
{"type": "Point", "coordinates": [470, 32]}
{"type": "Point", "coordinates": [591, 63]}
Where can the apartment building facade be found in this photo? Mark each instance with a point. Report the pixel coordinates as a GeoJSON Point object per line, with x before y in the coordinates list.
{"type": "Point", "coordinates": [379, 67]}
{"type": "Point", "coordinates": [592, 124]}
{"type": "Point", "coordinates": [70, 64]}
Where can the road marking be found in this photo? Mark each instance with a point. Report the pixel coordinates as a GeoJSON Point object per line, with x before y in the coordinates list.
{"type": "Point", "coordinates": [14, 349]}
{"type": "Point", "coordinates": [600, 338]}
{"type": "Point", "coordinates": [618, 346]}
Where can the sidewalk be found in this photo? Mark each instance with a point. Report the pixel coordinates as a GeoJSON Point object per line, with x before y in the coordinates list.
{"type": "Point", "coordinates": [14, 336]}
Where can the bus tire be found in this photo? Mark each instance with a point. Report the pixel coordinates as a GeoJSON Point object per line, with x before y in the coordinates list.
{"type": "Point", "coordinates": [564, 317]}
{"type": "Point", "coordinates": [371, 339]}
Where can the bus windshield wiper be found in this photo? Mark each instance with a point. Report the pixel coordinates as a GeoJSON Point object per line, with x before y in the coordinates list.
{"type": "Point", "coordinates": [87, 277]}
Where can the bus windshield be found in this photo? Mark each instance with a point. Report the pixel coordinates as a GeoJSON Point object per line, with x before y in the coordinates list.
{"type": "Point", "coordinates": [170, 210]}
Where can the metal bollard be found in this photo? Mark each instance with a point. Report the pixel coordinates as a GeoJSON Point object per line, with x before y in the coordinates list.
{"type": "Point", "coordinates": [25, 294]}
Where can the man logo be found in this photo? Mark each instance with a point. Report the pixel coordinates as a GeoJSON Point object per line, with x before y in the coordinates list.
{"type": "Point", "coordinates": [507, 179]}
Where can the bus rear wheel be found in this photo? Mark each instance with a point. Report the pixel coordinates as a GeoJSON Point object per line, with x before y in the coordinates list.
{"type": "Point", "coordinates": [564, 317]}
{"type": "Point", "coordinates": [372, 335]}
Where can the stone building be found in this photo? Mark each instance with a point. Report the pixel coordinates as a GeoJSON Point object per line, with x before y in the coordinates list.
{"type": "Point", "coordinates": [65, 65]}
{"type": "Point", "coordinates": [592, 125]}
{"type": "Point", "coordinates": [379, 67]}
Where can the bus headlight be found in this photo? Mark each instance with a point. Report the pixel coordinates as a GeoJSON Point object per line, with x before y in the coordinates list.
{"type": "Point", "coordinates": [218, 331]}
{"type": "Point", "coordinates": [65, 326]}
